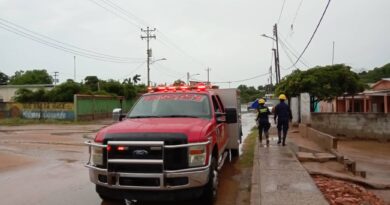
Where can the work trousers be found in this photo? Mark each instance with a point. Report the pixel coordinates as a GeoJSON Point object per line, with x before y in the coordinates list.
{"type": "Point", "coordinates": [282, 126]}
{"type": "Point", "coordinates": [263, 127]}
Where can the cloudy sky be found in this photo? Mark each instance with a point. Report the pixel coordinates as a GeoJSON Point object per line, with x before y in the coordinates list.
{"type": "Point", "coordinates": [224, 35]}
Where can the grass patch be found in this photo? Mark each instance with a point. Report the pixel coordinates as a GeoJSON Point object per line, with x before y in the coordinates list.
{"type": "Point", "coordinates": [246, 159]}
{"type": "Point", "coordinates": [19, 122]}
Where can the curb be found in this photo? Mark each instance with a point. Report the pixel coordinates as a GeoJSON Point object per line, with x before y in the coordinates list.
{"type": "Point", "coordinates": [255, 182]}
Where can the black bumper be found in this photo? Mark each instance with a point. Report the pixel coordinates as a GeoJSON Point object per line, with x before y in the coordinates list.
{"type": "Point", "coordinates": [120, 194]}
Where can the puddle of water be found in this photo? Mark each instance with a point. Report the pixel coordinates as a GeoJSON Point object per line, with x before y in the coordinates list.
{"type": "Point", "coordinates": [68, 160]}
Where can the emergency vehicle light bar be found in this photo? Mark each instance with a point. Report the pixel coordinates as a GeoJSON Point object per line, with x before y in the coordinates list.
{"type": "Point", "coordinates": [199, 87]}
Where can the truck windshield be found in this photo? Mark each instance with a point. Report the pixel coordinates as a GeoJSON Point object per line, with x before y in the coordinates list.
{"type": "Point", "coordinates": [172, 105]}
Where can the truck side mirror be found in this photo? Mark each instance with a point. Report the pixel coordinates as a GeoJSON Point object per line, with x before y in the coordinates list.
{"type": "Point", "coordinates": [117, 115]}
{"type": "Point", "coordinates": [220, 117]}
{"type": "Point", "coordinates": [231, 115]}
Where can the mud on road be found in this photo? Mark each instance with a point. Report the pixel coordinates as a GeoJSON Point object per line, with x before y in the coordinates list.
{"type": "Point", "coordinates": [44, 164]}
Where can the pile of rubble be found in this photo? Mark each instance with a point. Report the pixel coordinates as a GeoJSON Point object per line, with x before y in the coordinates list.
{"type": "Point", "coordinates": [339, 192]}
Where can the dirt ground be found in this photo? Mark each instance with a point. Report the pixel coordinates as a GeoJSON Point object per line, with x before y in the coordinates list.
{"type": "Point", "coordinates": [44, 164]}
{"type": "Point", "coordinates": [370, 156]}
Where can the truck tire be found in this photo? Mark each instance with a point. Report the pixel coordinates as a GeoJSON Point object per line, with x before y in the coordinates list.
{"type": "Point", "coordinates": [103, 196]}
{"type": "Point", "coordinates": [234, 153]}
{"type": "Point", "coordinates": [211, 189]}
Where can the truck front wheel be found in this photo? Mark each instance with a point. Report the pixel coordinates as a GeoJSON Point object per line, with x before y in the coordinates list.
{"type": "Point", "coordinates": [211, 189]}
{"type": "Point", "coordinates": [102, 195]}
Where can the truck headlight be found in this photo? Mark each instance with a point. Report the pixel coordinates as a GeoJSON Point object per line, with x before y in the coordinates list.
{"type": "Point", "coordinates": [197, 156]}
{"type": "Point", "coordinates": [96, 156]}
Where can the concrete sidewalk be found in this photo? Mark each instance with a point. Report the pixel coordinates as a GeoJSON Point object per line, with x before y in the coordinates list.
{"type": "Point", "coordinates": [278, 178]}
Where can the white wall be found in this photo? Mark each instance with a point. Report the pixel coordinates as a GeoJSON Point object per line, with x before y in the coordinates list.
{"type": "Point", "coordinates": [305, 108]}
{"type": "Point", "coordinates": [294, 105]}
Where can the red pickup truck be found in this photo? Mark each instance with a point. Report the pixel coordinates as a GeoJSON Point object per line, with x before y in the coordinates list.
{"type": "Point", "coordinates": [170, 146]}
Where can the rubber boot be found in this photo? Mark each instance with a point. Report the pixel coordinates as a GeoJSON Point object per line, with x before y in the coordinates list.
{"type": "Point", "coordinates": [260, 136]}
{"type": "Point", "coordinates": [279, 136]}
{"type": "Point", "coordinates": [267, 138]}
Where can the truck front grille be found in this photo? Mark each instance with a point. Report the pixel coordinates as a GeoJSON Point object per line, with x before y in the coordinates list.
{"type": "Point", "coordinates": [145, 152]}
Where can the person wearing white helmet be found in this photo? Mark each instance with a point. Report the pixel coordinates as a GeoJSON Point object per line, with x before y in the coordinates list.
{"type": "Point", "coordinates": [263, 121]}
{"type": "Point", "coordinates": [283, 116]}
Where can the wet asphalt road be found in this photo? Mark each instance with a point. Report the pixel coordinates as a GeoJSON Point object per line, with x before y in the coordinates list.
{"type": "Point", "coordinates": [51, 167]}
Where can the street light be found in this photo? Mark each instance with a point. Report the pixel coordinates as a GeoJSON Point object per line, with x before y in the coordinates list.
{"type": "Point", "coordinates": [151, 62]}
{"type": "Point", "coordinates": [276, 53]}
{"type": "Point", "coordinates": [189, 76]}
{"type": "Point", "coordinates": [161, 59]}
{"type": "Point", "coordinates": [266, 36]}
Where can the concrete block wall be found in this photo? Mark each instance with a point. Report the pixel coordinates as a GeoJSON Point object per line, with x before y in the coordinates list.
{"type": "Point", "coordinates": [353, 125]}
{"type": "Point", "coordinates": [324, 140]}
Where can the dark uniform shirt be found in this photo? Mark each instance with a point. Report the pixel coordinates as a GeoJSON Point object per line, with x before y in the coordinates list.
{"type": "Point", "coordinates": [282, 111]}
{"type": "Point", "coordinates": [263, 113]}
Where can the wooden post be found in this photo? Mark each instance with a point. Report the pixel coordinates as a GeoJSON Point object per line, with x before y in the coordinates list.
{"type": "Point", "coordinates": [385, 104]}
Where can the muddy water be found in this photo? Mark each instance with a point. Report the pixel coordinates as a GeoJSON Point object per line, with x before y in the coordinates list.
{"type": "Point", "coordinates": [43, 165]}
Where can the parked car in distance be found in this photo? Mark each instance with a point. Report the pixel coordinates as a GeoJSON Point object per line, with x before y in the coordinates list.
{"type": "Point", "coordinates": [270, 106]}
{"type": "Point", "coordinates": [250, 107]}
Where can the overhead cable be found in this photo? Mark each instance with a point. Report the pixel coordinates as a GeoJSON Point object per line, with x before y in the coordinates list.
{"type": "Point", "coordinates": [296, 14]}
{"type": "Point", "coordinates": [243, 80]}
{"type": "Point", "coordinates": [138, 22]}
{"type": "Point", "coordinates": [312, 36]}
{"type": "Point", "coordinates": [281, 11]}
{"type": "Point", "coordinates": [45, 40]}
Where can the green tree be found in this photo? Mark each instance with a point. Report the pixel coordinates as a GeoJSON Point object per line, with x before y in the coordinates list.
{"type": "Point", "coordinates": [376, 74]}
{"type": "Point", "coordinates": [178, 82]}
{"type": "Point", "coordinates": [3, 79]}
{"type": "Point", "coordinates": [250, 93]}
{"type": "Point", "coordinates": [113, 87]}
{"type": "Point", "coordinates": [322, 83]}
{"type": "Point", "coordinates": [31, 77]}
{"type": "Point", "coordinates": [64, 92]}
{"type": "Point", "coordinates": [91, 82]}
{"type": "Point", "coordinates": [23, 95]}
{"type": "Point", "coordinates": [136, 78]}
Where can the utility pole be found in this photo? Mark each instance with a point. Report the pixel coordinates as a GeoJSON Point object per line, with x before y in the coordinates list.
{"type": "Point", "coordinates": [74, 68]}
{"type": "Point", "coordinates": [333, 54]}
{"type": "Point", "coordinates": [270, 74]}
{"type": "Point", "coordinates": [277, 53]}
{"type": "Point", "coordinates": [188, 78]}
{"type": "Point", "coordinates": [276, 66]}
{"type": "Point", "coordinates": [148, 36]}
{"type": "Point", "coordinates": [55, 77]}
{"type": "Point", "coordinates": [208, 75]}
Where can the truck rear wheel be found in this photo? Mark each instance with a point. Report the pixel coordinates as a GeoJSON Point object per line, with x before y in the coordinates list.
{"type": "Point", "coordinates": [234, 153]}
{"type": "Point", "coordinates": [211, 189]}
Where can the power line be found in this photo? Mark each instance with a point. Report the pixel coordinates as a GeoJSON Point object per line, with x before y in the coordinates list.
{"type": "Point", "coordinates": [65, 44]}
{"type": "Point", "coordinates": [281, 11]}
{"type": "Point", "coordinates": [292, 49]}
{"type": "Point", "coordinates": [288, 56]}
{"type": "Point", "coordinates": [296, 14]}
{"type": "Point", "coordinates": [115, 13]}
{"type": "Point", "coordinates": [286, 50]}
{"type": "Point", "coordinates": [166, 73]}
{"type": "Point", "coordinates": [126, 12]}
{"type": "Point", "coordinates": [118, 10]}
{"type": "Point", "coordinates": [175, 46]}
{"type": "Point", "coordinates": [55, 46]}
{"type": "Point", "coordinates": [312, 36]}
{"type": "Point", "coordinates": [21, 31]}
{"type": "Point", "coordinates": [135, 69]}
{"type": "Point", "coordinates": [242, 80]}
